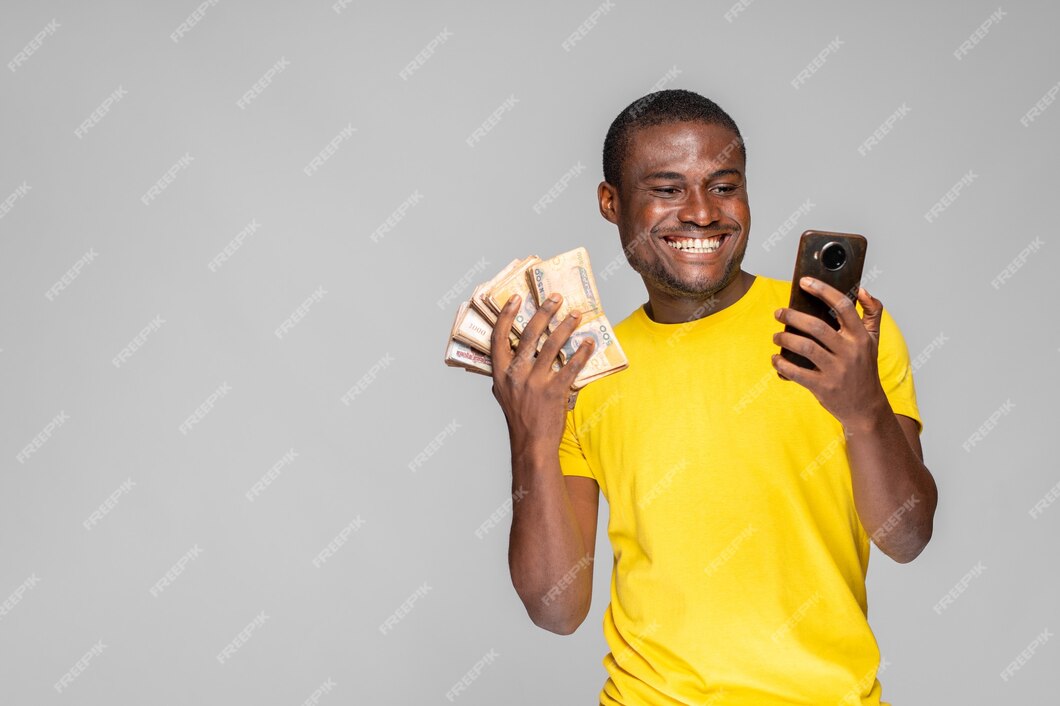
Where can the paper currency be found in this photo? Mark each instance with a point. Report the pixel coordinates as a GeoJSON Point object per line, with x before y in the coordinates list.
{"type": "Point", "coordinates": [534, 279]}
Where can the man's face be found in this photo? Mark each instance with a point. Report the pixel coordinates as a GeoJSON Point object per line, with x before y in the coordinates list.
{"type": "Point", "coordinates": [682, 181]}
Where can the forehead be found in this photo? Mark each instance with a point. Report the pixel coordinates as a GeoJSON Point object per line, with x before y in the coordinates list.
{"type": "Point", "coordinates": [687, 147]}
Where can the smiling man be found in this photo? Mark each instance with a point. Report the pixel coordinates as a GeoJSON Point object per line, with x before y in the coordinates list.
{"type": "Point", "coordinates": [742, 504]}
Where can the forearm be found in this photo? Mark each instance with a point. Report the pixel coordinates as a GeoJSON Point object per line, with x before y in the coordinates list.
{"type": "Point", "coordinates": [894, 492]}
{"type": "Point", "coordinates": [549, 563]}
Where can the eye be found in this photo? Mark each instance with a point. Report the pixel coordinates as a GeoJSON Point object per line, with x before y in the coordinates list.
{"type": "Point", "coordinates": [725, 189]}
{"type": "Point", "coordinates": [668, 190]}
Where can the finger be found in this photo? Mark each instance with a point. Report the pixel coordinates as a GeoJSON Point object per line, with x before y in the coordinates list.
{"type": "Point", "coordinates": [557, 338]}
{"type": "Point", "coordinates": [577, 361]}
{"type": "Point", "coordinates": [811, 325]}
{"type": "Point", "coordinates": [795, 373]}
{"type": "Point", "coordinates": [805, 347]}
{"type": "Point", "coordinates": [500, 349]}
{"type": "Point", "coordinates": [535, 327]}
{"type": "Point", "coordinates": [836, 300]}
{"type": "Point", "coordinates": [873, 309]}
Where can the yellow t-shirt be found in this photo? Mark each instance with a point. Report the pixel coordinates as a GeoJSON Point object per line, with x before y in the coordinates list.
{"type": "Point", "coordinates": [739, 559]}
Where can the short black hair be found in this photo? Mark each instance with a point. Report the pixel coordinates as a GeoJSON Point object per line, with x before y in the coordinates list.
{"type": "Point", "coordinates": [669, 106]}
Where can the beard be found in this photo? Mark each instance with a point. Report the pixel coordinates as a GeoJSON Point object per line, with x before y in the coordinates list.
{"type": "Point", "coordinates": [698, 288]}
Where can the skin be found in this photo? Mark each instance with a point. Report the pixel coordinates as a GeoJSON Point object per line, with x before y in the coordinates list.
{"type": "Point", "coordinates": [685, 179]}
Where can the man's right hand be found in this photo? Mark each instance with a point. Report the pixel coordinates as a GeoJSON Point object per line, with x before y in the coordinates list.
{"type": "Point", "coordinates": [532, 394]}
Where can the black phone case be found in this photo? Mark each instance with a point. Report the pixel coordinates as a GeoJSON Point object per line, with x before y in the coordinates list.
{"type": "Point", "coordinates": [846, 279]}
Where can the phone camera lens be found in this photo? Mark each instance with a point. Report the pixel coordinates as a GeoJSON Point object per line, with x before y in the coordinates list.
{"type": "Point", "coordinates": [833, 256]}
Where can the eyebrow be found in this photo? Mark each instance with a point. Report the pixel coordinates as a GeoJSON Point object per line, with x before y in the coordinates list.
{"type": "Point", "coordinates": [680, 177]}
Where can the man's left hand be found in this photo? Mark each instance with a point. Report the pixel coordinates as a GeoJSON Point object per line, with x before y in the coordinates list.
{"type": "Point", "coordinates": [846, 382]}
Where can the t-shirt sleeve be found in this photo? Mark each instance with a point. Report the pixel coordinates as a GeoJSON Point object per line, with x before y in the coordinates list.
{"type": "Point", "coordinates": [896, 373]}
{"type": "Point", "coordinates": [572, 460]}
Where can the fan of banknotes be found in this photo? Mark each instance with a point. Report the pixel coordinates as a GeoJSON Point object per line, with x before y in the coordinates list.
{"type": "Point", "coordinates": [534, 280]}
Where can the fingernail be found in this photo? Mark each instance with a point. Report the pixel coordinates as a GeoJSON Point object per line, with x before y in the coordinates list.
{"type": "Point", "coordinates": [575, 314]}
{"type": "Point", "coordinates": [777, 313]}
{"type": "Point", "coordinates": [513, 300]}
{"type": "Point", "coordinates": [554, 298]}
{"type": "Point", "coordinates": [807, 281]}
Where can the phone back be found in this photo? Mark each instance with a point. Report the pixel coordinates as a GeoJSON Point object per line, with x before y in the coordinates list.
{"type": "Point", "coordinates": [818, 253]}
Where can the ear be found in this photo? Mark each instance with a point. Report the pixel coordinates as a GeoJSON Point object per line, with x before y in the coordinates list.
{"type": "Point", "coordinates": [608, 197]}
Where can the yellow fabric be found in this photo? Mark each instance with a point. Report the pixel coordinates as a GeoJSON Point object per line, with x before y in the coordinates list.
{"type": "Point", "coordinates": [739, 559]}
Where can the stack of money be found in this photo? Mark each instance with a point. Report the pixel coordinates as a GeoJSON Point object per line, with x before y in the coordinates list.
{"type": "Point", "coordinates": [534, 280]}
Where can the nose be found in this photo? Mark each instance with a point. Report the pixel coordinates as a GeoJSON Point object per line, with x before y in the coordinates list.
{"type": "Point", "coordinates": [699, 207]}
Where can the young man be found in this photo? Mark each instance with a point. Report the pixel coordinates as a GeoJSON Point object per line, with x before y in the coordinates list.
{"type": "Point", "coordinates": [742, 501]}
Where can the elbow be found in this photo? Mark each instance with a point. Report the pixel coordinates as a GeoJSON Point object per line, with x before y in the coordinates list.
{"type": "Point", "coordinates": [558, 625]}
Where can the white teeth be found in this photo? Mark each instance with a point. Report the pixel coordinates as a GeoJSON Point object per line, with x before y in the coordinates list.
{"type": "Point", "coordinates": [696, 245]}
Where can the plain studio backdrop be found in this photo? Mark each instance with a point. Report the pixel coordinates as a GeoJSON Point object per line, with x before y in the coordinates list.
{"type": "Point", "coordinates": [233, 237]}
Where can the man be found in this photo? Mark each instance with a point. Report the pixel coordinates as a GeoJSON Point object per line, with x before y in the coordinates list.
{"type": "Point", "coordinates": [743, 490]}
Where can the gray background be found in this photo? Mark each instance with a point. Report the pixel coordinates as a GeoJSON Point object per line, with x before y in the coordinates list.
{"type": "Point", "coordinates": [418, 527]}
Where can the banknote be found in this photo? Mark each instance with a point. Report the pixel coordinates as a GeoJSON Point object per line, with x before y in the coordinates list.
{"type": "Point", "coordinates": [570, 274]}
{"type": "Point", "coordinates": [478, 296]}
{"type": "Point", "coordinates": [463, 356]}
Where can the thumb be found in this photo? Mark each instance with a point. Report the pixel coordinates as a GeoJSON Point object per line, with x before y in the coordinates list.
{"type": "Point", "coordinates": [873, 309]}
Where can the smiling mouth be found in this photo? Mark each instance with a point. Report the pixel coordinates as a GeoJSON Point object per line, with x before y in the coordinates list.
{"type": "Point", "coordinates": [696, 245]}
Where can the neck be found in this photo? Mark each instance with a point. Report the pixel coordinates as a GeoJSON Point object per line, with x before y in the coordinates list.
{"type": "Point", "coordinates": [665, 308]}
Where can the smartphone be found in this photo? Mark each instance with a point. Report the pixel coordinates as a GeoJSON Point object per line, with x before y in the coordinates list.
{"type": "Point", "coordinates": [834, 258]}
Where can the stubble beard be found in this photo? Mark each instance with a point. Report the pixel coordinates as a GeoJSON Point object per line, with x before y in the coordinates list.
{"type": "Point", "coordinates": [701, 288]}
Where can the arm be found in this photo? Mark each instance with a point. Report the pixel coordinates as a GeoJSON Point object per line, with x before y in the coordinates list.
{"type": "Point", "coordinates": [550, 549]}
{"type": "Point", "coordinates": [894, 492]}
